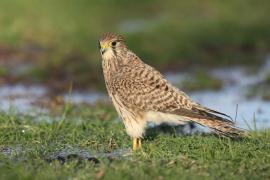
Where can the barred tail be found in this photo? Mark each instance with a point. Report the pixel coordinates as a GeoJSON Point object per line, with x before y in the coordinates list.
{"type": "Point", "coordinates": [226, 128]}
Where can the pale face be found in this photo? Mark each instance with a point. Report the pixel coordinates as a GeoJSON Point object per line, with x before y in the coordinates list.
{"type": "Point", "coordinates": [108, 48]}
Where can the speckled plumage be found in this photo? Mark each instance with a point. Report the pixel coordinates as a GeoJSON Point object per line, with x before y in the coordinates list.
{"type": "Point", "coordinates": [141, 94]}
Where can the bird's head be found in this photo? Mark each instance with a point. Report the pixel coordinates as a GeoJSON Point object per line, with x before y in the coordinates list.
{"type": "Point", "coordinates": [111, 44]}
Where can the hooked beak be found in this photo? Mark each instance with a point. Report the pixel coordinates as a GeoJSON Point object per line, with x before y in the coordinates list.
{"type": "Point", "coordinates": [103, 48]}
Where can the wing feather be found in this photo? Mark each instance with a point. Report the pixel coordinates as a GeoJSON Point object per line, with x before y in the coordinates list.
{"type": "Point", "coordinates": [145, 89]}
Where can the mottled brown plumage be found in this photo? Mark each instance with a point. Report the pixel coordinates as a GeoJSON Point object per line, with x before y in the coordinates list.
{"type": "Point", "coordinates": [141, 94]}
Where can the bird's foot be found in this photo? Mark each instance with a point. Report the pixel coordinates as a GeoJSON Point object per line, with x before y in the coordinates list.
{"type": "Point", "coordinates": [137, 144]}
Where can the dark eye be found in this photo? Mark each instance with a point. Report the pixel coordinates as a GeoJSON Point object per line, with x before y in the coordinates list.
{"type": "Point", "coordinates": [114, 43]}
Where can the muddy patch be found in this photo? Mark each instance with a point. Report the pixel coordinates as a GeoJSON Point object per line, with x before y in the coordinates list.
{"type": "Point", "coordinates": [68, 154]}
{"type": "Point", "coordinates": [81, 154]}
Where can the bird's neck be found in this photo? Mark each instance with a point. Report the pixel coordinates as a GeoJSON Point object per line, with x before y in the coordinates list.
{"type": "Point", "coordinates": [114, 60]}
{"type": "Point", "coordinates": [112, 64]}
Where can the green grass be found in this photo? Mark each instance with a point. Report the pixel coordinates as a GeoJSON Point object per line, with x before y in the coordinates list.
{"type": "Point", "coordinates": [95, 129]}
{"type": "Point", "coordinates": [169, 35]}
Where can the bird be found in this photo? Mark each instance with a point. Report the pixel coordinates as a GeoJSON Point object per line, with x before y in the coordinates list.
{"type": "Point", "coordinates": [141, 94]}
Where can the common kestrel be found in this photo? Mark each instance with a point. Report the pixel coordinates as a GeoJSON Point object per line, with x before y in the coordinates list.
{"type": "Point", "coordinates": [141, 94]}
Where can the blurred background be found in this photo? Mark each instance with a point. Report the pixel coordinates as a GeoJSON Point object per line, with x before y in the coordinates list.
{"type": "Point", "coordinates": [217, 51]}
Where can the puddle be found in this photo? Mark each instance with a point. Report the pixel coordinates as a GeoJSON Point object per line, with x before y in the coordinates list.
{"type": "Point", "coordinates": [232, 96]}
{"type": "Point", "coordinates": [85, 97]}
{"type": "Point", "coordinates": [237, 81]}
{"type": "Point", "coordinates": [25, 98]}
{"type": "Point", "coordinates": [20, 97]}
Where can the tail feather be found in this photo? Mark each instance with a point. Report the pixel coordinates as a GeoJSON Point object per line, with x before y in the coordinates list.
{"type": "Point", "coordinates": [212, 119]}
{"type": "Point", "coordinates": [217, 112]}
{"type": "Point", "coordinates": [221, 127]}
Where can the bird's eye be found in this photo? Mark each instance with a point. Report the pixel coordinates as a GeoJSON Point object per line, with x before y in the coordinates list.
{"type": "Point", "coordinates": [114, 43]}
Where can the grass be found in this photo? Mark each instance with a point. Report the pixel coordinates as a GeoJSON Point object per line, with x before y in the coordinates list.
{"type": "Point", "coordinates": [61, 36]}
{"type": "Point", "coordinates": [167, 156]}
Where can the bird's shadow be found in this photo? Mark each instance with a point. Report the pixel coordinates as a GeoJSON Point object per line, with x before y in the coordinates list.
{"type": "Point", "coordinates": [179, 130]}
{"type": "Point", "coordinates": [188, 129]}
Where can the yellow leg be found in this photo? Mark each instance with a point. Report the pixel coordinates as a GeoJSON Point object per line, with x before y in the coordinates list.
{"type": "Point", "coordinates": [137, 143]}
{"type": "Point", "coordinates": [140, 143]}
{"type": "Point", "coordinates": [134, 145]}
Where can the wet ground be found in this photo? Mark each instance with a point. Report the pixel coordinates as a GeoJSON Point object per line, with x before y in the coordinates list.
{"type": "Point", "coordinates": [68, 154]}
{"type": "Point", "coordinates": [231, 99]}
